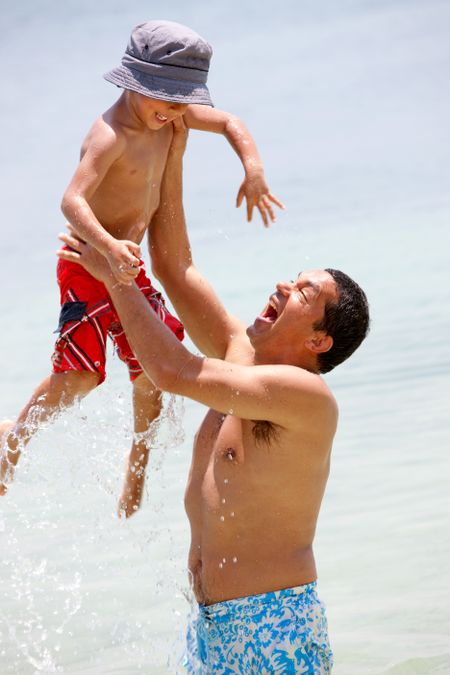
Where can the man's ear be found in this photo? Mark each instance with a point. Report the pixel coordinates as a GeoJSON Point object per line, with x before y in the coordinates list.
{"type": "Point", "coordinates": [318, 344]}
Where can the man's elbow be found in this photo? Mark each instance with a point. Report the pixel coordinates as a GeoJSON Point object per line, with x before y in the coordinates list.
{"type": "Point", "coordinates": [163, 377]}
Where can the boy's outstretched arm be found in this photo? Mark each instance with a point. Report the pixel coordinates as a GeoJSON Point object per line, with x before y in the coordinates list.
{"type": "Point", "coordinates": [254, 187]}
{"type": "Point", "coordinates": [102, 149]}
{"type": "Point", "coordinates": [208, 323]}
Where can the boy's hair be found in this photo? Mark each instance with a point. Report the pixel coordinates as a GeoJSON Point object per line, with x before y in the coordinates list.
{"type": "Point", "coordinates": [346, 321]}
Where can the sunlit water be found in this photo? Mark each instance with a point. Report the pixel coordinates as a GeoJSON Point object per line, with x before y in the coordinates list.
{"type": "Point", "coordinates": [349, 103]}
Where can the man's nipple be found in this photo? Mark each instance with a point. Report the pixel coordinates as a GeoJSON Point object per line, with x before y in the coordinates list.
{"type": "Point", "coordinates": [230, 453]}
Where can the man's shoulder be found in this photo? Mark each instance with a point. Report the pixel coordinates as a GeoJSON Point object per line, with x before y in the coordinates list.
{"type": "Point", "coordinates": [304, 395]}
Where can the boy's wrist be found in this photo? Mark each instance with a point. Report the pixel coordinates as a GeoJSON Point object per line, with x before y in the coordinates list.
{"type": "Point", "coordinates": [107, 245]}
{"type": "Point", "coordinates": [253, 168]}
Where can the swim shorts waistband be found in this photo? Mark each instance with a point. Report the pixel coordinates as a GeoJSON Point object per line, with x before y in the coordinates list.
{"type": "Point", "coordinates": [222, 611]}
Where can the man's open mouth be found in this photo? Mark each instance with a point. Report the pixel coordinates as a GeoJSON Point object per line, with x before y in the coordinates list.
{"type": "Point", "coordinates": [161, 118]}
{"type": "Point", "coordinates": [270, 313]}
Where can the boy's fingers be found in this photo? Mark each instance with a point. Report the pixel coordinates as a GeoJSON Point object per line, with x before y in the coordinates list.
{"type": "Point", "coordinates": [276, 201]}
{"type": "Point", "coordinates": [240, 197]}
{"type": "Point", "coordinates": [133, 257]}
{"type": "Point", "coordinates": [263, 213]}
{"type": "Point", "coordinates": [133, 262]}
{"type": "Point", "coordinates": [134, 248]}
{"type": "Point", "coordinates": [269, 208]}
{"type": "Point", "coordinates": [249, 211]}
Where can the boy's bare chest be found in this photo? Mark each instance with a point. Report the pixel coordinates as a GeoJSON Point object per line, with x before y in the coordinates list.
{"type": "Point", "coordinates": [129, 194]}
{"type": "Point", "coordinates": [143, 160]}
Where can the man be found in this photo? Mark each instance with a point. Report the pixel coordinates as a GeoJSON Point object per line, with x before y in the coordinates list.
{"type": "Point", "coordinates": [261, 457]}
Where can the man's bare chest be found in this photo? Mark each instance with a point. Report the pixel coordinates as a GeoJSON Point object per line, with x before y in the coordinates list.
{"type": "Point", "coordinates": [226, 441]}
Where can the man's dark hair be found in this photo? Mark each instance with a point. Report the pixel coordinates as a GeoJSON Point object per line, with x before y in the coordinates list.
{"type": "Point", "coordinates": [346, 321]}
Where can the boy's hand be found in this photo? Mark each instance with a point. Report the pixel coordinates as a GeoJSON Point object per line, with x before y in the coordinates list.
{"type": "Point", "coordinates": [256, 191]}
{"type": "Point", "coordinates": [84, 254]}
{"type": "Point", "coordinates": [124, 260]}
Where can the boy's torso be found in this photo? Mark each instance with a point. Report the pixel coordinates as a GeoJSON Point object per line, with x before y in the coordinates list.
{"type": "Point", "coordinates": [128, 195]}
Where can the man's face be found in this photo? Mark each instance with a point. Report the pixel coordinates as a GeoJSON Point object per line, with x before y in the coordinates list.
{"type": "Point", "coordinates": [292, 311]}
{"type": "Point", "coordinates": [155, 113]}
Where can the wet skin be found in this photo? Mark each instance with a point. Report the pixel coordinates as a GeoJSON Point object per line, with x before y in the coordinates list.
{"type": "Point", "coordinates": [252, 498]}
{"type": "Point", "coordinates": [130, 144]}
{"type": "Point", "coordinates": [253, 504]}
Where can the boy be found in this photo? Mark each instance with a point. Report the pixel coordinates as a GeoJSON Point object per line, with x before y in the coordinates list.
{"type": "Point", "coordinates": [110, 202]}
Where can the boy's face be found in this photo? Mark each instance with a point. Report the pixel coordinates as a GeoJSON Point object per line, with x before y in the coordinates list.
{"type": "Point", "coordinates": [155, 113]}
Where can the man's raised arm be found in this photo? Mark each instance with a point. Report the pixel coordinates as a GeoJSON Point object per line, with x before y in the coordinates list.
{"type": "Point", "coordinates": [209, 325]}
{"type": "Point", "coordinates": [270, 392]}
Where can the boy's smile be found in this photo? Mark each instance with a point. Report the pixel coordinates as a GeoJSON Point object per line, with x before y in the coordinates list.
{"type": "Point", "coordinates": [155, 113]}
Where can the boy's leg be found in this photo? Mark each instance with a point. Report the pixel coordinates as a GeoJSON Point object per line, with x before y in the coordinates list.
{"type": "Point", "coordinates": [56, 392]}
{"type": "Point", "coordinates": [146, 408]}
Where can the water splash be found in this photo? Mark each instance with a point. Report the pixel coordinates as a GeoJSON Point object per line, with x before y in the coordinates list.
{"type": "Point", "coordinates": [73, 575]}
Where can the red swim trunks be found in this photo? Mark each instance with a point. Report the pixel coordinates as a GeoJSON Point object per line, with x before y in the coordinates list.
{"type": "Point", "coordinates": [88, 316]}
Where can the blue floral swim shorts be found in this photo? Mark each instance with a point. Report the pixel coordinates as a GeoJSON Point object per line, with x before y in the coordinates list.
{"type": "Point", "coordinates": [279, 632]}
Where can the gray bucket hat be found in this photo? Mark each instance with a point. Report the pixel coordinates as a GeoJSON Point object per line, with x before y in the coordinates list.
{"type": "Point", "coordinates": [165, 60]}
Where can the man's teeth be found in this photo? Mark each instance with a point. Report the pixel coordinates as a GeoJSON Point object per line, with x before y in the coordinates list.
{"type": "Point", "coordinates": [163, 118]}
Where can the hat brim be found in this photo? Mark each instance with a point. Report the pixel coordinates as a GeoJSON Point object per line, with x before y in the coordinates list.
{"type": "Point", "coordinates": [178, 91]}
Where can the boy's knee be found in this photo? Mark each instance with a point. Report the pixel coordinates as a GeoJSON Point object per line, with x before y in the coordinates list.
{"type": "Point", "coordinates": [75, 383]}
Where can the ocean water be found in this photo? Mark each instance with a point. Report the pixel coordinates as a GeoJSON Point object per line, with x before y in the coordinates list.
{"type": "Point", "coordinates": [349, 103]}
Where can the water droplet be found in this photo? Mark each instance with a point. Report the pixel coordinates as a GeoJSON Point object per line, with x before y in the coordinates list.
{"type": "Point", "coordinates": [235, 559]}
{"type": "Point", "coordinates": [224, 560]}
{"type": "Point", "coordinates": [220, 565]}
{"type": "Point", "coordinates": [225, 480]}
{"type": "Point", "coordinates": [230, 412]}
{"type": "Point", "coordinates": [232, 514]}
{"type": "Point", "coordinates": [224, 501]}
{"type": "Point", "coordinates": [222, 518]}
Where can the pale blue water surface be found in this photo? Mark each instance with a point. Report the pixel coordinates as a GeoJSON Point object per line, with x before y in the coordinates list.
{"type": "Point", "coordinates": [349, 102]}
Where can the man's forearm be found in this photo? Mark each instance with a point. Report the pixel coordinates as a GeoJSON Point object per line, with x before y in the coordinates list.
{"type": "Point", "coordinates": [169, 245]}
{"type": "Point", "coordinates": [160, 353]}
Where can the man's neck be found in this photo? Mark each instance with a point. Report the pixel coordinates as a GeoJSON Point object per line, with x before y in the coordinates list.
{"type": "Point", "coordinates": [306, 360]}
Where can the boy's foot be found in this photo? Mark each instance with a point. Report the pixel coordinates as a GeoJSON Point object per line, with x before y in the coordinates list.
{"type": "Point", "coordinates": [132, 492]}
{"type": "Point", "coordinates": [6, 467]}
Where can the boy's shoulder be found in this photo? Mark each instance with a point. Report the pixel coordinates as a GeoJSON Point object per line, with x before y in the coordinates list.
{"type": "Point", "coordinates": [106, 132]}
